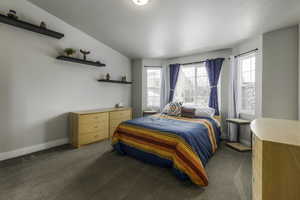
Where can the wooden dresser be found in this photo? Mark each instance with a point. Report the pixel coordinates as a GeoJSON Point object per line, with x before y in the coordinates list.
{"type": "Point", "coordinates": [96, 125]}
{"type": "Point", "coordinates": [276, 159]}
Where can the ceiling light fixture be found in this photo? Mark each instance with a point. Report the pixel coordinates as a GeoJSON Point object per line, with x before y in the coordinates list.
{"type": "Point", "coordinates": [140, 2]}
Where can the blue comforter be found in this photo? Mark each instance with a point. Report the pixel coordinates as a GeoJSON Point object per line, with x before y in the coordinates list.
{"type": "Point", "coordinates": [195, 134]}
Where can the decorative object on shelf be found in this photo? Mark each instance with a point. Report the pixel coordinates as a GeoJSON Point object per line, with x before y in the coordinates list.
{"type": "Point", "coordinates": [81, 61]}
{"type": "Point", "coordinates": [114, 81]}
{"type": "Point", "coordinates": [13, 21]}
{"type": "Point", "coordinates": [12, 14]}
{"type": "Point", "coordinates": [119, 105]}
{"type": "Point", "coordinates": [124, 78]}
{"type": "Point", "coordinates": [84, 53]}
{"type": "Point", "coordinates": [69, 52]}
{"type": "Point", "coordinates": [107, 76]}
{"type": "Point", "coordinates": [43, 25]}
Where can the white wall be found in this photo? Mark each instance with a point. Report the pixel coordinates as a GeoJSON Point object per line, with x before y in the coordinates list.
{"type": "Point", "coordinates": [224, 78]}
{"type": "Point", "coordinates": [280, 74]}
{"type": "Point", "coordinates": [37, 91]}
{"type": "Point", "coordinates": [299, 71]}
{"type": "Point", "coordinates": [243, 47]}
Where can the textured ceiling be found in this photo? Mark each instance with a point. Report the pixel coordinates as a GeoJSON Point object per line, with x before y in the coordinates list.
{"type": "Point", "coordinates": [170, 28]}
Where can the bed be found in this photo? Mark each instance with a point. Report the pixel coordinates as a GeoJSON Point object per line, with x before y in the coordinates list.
{"type": "Point", "coordinates": [183, 144]}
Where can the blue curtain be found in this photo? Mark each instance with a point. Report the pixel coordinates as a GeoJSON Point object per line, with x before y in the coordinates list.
{"type": "Point", "coordinates": [213, 68]}
{"type": "Point", "coordinates": [174, 72]}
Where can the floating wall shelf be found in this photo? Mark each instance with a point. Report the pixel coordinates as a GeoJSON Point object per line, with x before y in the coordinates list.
{"type": "Point", "coordinates": [81, 61]}
{"type": "Point", "coordinates": [115, 81]}
{"type": "Point", "coordinates": [30, 27]}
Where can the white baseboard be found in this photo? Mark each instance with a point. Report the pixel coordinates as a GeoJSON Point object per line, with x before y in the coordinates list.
{"type": "Point", "coordinates": [32, 149]}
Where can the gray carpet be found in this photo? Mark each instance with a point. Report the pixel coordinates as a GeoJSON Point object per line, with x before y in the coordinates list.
{"type": "Point", "coordinates": [95, 173]}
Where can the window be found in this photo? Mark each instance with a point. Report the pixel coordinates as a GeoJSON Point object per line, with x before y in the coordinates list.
{"type": "Point", "coordinates": [153, 87]}
{"type": "Point", "coordinates": [193, 85]}
{"type": "Point", "coordinates": [246, 84]}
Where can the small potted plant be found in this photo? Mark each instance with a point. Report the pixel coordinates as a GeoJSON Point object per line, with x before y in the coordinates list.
{"type": "Point", "coordinates": [69, 52]}
{"type": "Point", "coordinates": [12, 14]}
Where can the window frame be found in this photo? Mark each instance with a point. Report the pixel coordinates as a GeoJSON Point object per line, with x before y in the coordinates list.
{"type": "Point", "coordinates": [240, 84]}
{"type": "Point", "coordinates": [196, 68]}
{"type": "Point", "coordinates": [147, 91]}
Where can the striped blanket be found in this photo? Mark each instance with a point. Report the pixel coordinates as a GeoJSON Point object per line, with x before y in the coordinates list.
{"type": "Point", "coordinates": [184, 144]}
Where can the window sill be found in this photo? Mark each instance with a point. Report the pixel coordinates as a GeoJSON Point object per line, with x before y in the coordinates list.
{"type": "Point", "coordinates": [151, 109]}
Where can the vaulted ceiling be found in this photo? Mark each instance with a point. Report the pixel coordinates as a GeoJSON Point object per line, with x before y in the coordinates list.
{"type": "Point", "coordinates": [170, 28]}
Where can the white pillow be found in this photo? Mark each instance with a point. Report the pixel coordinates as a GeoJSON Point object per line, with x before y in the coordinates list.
{"type": "Point", "coordinates": [204, 112]}
{"type": "Point", "coordinates": [201, 111]}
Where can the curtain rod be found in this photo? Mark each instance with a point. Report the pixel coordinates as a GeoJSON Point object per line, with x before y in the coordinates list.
{"type": "Point", "coordinates": [236, 56]}
{"type": "Point", "coordinates": [193, 63]}
{"type": "Point", "coordinates": [154, 66]}
{"type": "Point", "coordinates": [253, 50]}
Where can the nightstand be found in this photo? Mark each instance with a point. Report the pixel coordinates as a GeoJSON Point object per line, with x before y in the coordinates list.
{"type": "Point", "coordinates": [237, 145]}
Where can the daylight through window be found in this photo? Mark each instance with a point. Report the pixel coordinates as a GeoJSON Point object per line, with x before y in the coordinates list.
{"type": "Point", "coordinates": [192, 85]}
{"type": "Point", "coordinates": [247, 90]}
{"type": "Point", "coordinates": [153, 87]}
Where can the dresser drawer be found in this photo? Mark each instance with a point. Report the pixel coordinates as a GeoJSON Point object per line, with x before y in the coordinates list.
{"type": "Point", "coordinates": [116, 122]}
{"type": "Point", "coordinates": [85, 128]}
{"type": "Point", "coordinates": [124, 114]}
{"type": "Point", "coordinates": [92, 137]}
{"type": "Point", "coordinates": [112, 130]}
{"type": "Point", "coordinates": [93, 118]}
{"type": "Point", "coordinates": [113, 124]}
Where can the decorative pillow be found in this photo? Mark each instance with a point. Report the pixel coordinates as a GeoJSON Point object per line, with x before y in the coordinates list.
{"type": "Point", "coordinates": [173, 109]}
{"type": "Point", "coordinates": [204, 112]}
{"type": "Point", "coordinates": [188, 112]}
